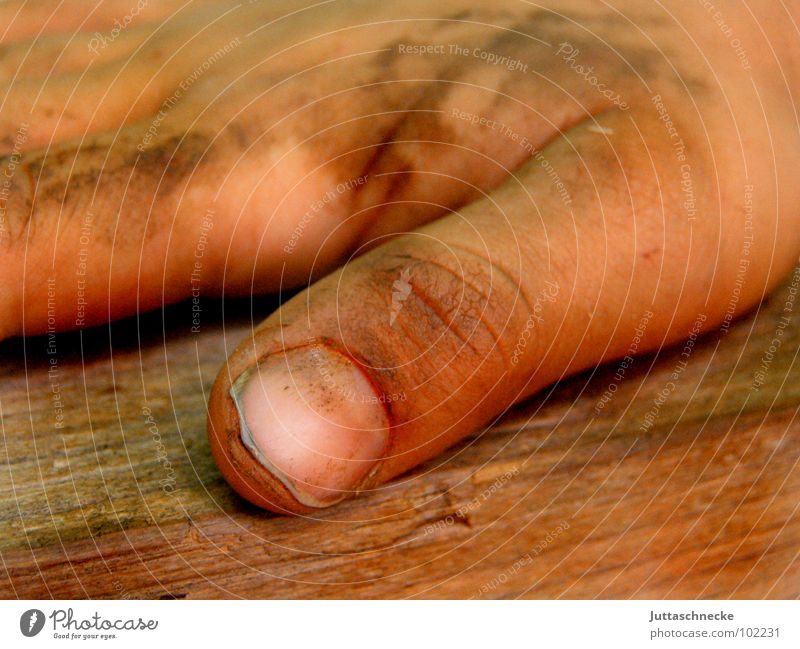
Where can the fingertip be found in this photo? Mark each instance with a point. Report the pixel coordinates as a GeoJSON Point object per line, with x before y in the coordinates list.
{"type": "Point", "coordinates": [312, 419]}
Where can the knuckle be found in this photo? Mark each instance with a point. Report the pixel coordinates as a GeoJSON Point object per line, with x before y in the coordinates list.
{"type": "Point", "coordinates": [451, 312]}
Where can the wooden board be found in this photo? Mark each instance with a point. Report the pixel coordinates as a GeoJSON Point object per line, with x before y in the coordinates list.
{"type": "Point", "coordinates": [555, 501]}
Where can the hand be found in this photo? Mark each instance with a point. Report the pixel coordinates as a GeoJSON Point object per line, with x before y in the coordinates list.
{"type": "Point", "coordinates": [570, 184]}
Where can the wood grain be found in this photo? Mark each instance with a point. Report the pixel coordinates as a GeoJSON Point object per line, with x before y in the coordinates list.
{"type": "Point", "coordinates": [556, 500]}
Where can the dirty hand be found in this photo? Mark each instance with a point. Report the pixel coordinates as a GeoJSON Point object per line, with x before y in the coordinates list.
{"type": "Point", "coordinates": [481, 198]}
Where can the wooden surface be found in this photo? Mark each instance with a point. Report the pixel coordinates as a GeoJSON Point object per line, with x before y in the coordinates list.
{"type": "Point", "coordinates": [556, 501]}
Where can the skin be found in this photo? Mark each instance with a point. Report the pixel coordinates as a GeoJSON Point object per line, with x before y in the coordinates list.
{"type": "Point", "coordinates": [463, 266]}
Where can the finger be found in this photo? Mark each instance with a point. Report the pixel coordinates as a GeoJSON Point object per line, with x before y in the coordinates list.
{"type": "Point", "coordinates": [112, 90]}
{"type": "Point", "coordinates": [77, 105]}
{"type": "Point", "coordinates": [270, 196]}
{"type": "Point", "coordinates": [65, 53]}
{"type": "Point", "coordinates": [76, 223]}
{"type": "Point", "coordinates": [25, 19]}
{"type": "Point", "coordinates": [270, 159]}
{"type": "Point", "coordinates": [130, 215]}
{"type": "Point", "coordinates": [425, 340]}
{"type": "Point", "coordinates": [109, 94]}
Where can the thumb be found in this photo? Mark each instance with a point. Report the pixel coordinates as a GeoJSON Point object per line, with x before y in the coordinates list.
{"type": "Point", "coordinates": [430, 337]}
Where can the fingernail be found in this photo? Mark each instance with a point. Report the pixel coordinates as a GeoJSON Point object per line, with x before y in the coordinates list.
{"type": "Point", "coordinates": [311, 417]}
